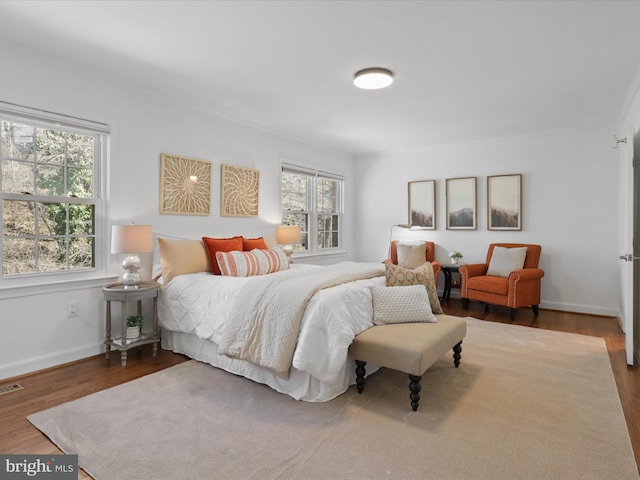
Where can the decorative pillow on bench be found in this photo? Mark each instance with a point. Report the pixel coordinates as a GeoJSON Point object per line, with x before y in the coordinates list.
{"type": "Point", "coordinates": [398, 276]}
{"type": "Point", "coordinates": [401, 305]}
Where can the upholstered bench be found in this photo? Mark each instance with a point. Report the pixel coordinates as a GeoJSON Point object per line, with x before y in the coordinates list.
{"type": "Point", "coordinates": [408, 347]}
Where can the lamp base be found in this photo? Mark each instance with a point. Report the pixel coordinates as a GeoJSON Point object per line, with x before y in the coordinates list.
{"type": "Point", "coordinates": [131, 281]}
{"type": "Point", "coordinates": [288, 251]}
{"type": "Point", "coordinates": [131, 278]}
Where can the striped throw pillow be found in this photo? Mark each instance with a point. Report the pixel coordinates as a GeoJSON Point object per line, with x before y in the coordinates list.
{"type": "Point", "coordinates": [255, 262]}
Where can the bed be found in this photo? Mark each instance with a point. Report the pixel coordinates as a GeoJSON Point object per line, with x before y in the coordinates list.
{"type": "Point", "coordinates": [197, 310]}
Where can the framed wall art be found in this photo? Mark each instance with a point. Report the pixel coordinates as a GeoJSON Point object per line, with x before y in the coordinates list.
{"type": "Point", "coordinates": [239, 191]}
{"type": "Point", "coordinates": [185, 185]}
{"type": "Point", "coordinates": [504, 202]}
{"type": "Point", "coordinates": [422, 204]}
{"type": "Point", "coordinates": [461, 203]}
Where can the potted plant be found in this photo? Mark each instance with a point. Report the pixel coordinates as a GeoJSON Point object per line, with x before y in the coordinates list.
{"type": "Point", "coordinates": [134, 324]}
{"type": "Point", "coordinates": [455, 257]}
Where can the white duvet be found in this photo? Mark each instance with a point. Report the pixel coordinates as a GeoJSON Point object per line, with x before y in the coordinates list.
{"type": "Point", "coordinates": [200, 304]}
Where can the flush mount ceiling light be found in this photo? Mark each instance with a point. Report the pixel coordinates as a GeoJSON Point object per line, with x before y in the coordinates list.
{"type": "Point", "coordinates": [373, 78]}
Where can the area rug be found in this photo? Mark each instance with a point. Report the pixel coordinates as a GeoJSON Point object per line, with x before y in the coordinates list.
{"type": "Point", "coordinates": [524, 404]}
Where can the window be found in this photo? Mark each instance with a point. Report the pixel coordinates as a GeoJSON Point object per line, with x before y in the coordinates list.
{"type": "Point", "coordinates": [49, 193]}
{"type": "Point", "coordinates": [312, 200]}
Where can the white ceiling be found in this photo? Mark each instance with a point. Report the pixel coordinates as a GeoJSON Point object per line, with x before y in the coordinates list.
{"type": "Point", "coordinates": [463, 70]}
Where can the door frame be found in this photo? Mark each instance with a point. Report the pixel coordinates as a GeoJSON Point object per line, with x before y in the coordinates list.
{"type": "Point", "coordinates": [628, 223]}
{"type": "Point", "coordinates": [634, 332]}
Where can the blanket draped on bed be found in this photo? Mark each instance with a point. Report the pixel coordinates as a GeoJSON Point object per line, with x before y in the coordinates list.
{"type": "Point", "coordinates": [265, 319]}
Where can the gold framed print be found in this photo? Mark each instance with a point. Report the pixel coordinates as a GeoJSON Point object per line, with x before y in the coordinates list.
{"type": "Point", "coordinates": [185, 185]}
{"type": "Point", "coordinates": [240, 188]}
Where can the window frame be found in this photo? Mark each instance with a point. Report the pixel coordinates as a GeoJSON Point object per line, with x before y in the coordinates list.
{"type": "Point", "coordinates": [313, 212]}
{"type": "Point", "coordinates": [11, 284]}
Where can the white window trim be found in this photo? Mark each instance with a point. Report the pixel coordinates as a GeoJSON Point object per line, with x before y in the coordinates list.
{"type": "Point", "coordinates": [313, 213]}
{"type": "Point", "coordinates": [49, 282]}
{"type": "Point", "coordinates": [27, 290]}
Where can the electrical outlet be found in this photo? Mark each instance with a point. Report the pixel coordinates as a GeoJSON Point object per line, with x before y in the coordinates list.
{"type": "Point", "coordinates": [73, 309]}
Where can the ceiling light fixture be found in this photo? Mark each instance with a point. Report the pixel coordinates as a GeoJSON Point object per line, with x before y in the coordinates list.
{"type": "Point", "coordinates": [373, 78]}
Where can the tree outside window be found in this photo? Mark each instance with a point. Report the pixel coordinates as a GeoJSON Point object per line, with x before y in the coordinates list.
{"type": "Point", "coordinates": [312, 200]}
{"type": "Point", "coordinates": [48, 198]}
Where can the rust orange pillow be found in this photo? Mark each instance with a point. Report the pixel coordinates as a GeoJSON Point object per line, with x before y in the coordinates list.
{"type": "Point", "coordinates": [214, 245]}
{"type": "Point", "coordinates": [249, 244]}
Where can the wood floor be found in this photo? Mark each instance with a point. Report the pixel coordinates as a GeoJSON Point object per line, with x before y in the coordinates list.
{"type": "Point", "coordinates": [51, 387]}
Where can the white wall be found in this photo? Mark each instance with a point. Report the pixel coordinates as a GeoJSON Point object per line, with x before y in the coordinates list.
{"type": "Point", "coordinates": [569, 194]}
{"type": "Point", "coordinates": [34, 329]}
{"type": "Point", "coordinates": [570, 207]}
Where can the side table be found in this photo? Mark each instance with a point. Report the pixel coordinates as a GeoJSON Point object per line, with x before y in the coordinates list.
{"type": "Point", "coordinates": [116, 292]}
{"type": "Point", "coordinates": [447, 270]}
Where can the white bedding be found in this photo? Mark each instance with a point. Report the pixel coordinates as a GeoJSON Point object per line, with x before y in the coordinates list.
{"type": "Point", "coordinates": [267, 314]}
{"type": "Point", "coordinates": [200, 304]}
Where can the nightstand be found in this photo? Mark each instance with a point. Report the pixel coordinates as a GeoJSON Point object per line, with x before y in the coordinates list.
{"type": "Point", "coordinates": [449, 283]}
{"type": "Point", "coordinates": [116, 292]}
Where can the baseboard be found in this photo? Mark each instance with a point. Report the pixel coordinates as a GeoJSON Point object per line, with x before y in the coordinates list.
{"type": "Point", "coordinates": [575, 308]}
{"type": "Point", "coordinates": [564, 307]}
{"type": "Point", "coordinates": [47, 361]}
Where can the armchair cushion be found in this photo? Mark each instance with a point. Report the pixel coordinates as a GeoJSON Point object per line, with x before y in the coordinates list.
{"type": "Point", "coordinates": [490, 284]}
{"type": "Point", "coordinates": [506, 260]}
{"type": "Point", "coordinates": [411, 254]}
{"type": "Point", "coordinates": [429, 257]}
{"type": "Point", "coordinates": [429, 253]}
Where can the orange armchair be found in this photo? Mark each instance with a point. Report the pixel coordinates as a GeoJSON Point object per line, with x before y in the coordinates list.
{"type": "Point", "coordinates": [429, 257]}
{"type": "Point", "coordinates": [520, 289]}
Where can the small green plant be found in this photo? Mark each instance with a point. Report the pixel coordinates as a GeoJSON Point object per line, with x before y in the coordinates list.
{"type": "Point", "coordinates": [135, 321]}
{"type": "Point", "coordinates": [455, 254]}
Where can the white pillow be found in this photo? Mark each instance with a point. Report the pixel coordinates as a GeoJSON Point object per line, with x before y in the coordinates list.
{"type": "Point", "coordinates": [411, 254]}
{"type": "Point", "coordinates": [506, 260]}
{"type": "Point", "coordinates": [401, 305]}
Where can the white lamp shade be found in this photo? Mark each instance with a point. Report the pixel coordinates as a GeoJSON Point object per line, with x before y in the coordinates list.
{"type": "Point", "coordinates": [288, 234]}
{"type": "Point", "coordinates": [131, 239]}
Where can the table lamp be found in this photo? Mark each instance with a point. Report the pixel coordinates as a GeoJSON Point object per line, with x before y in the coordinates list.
{"type": "Point", "coordinates": [131, 239]}
{"type": "Point", "coordinates": [287, 236]}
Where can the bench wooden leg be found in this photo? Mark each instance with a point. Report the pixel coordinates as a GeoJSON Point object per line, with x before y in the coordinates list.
{"type": "Point", "coordinates": [360, 373]}
{"type": "Point", "coordinates": [415, 388]}
{"type": "Point", "coordinates": [457, 349]}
